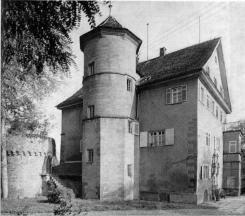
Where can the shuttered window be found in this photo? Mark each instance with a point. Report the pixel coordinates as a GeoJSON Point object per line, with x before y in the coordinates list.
{"type": "Point", "coordinates": [176, 94]}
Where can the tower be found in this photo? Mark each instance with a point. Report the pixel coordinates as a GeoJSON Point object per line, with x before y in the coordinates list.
{"type": "Point", "coordinates": [110, 144]}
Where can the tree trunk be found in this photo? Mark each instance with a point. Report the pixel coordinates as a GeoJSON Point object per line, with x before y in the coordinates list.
{"type": "Point", "coordinates": [4, 171]}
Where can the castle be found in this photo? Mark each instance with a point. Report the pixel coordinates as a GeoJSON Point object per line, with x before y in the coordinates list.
{"type": "Point", "coordinates": [152, 129]}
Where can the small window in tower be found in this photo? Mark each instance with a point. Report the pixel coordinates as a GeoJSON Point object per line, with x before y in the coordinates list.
{"type": "Point", "coordinates": [130, 171]}
{"type": "Point", "coordinates": [91, 69]}
{"type": "Point", "coordinates": [90, 111]}
{"type": "Point", "coordinates": [90, 155]}
{"type": "Point", "coordinates": [129, 84]}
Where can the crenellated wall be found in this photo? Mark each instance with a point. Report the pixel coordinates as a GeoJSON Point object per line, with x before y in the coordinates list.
{"type": "Point", "coordinates": [29, 159]}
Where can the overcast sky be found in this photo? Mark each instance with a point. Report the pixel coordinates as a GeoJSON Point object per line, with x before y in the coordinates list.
{"type": "Point", "coordinates": [173, 25]}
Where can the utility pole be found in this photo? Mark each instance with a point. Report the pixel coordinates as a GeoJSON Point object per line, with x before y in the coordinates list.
{"type": "Point", "coordinates": [199, 19]}
{"type": "Point", "coordinates": [147, 39]}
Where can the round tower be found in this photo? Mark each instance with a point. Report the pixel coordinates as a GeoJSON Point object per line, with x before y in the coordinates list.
{"type": "Point", "coordinates": [110, 138]}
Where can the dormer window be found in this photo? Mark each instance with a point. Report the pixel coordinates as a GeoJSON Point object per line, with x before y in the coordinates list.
{"type": "Point", "coordinates": [90, 68]}
{"type": "Point", "coordinates": [208, 70]}
{"type": "Point", "coordinates": [215, 82]}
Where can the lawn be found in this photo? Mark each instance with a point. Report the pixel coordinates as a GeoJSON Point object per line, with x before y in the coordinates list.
{"type": "Point", "coordinates": [40, 205]}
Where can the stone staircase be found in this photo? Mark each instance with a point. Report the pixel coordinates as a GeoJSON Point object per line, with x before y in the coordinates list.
{"type": "Point", "coordinates": [61, 185]}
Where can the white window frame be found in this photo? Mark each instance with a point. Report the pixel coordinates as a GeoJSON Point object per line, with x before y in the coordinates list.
{"type": "Point", "coordinates": [233, 143]}
{"type": "Point", "coordinates": [156, 138]}
{"type": "Point", "coordinates": [175, 95]}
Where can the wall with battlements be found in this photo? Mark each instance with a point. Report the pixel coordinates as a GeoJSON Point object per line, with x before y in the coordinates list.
{"type": "Point", "coordinates": [29, 159]}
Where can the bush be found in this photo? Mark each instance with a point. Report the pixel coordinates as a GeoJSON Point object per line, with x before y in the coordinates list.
{"type": "Point", "coordinates": [54, 196]}
{"type": "Point", "coordinates": [64, 208]}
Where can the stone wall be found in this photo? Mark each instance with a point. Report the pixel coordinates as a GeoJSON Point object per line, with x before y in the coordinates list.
{"type": "Point", "coordinates": [27, 159]}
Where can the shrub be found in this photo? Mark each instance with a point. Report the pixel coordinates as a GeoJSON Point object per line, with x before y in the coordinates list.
{"type": "Point", "coordinates": [54, 196]}
{"type": "Point", "coordinates": [64, 208]}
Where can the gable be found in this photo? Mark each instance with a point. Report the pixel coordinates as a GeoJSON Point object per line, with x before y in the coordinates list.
{"type": "Point", "coordinates": [215, 69]}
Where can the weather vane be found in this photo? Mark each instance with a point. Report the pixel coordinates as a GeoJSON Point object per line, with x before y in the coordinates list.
{"type": "Point", "coordinates": [110, 6]}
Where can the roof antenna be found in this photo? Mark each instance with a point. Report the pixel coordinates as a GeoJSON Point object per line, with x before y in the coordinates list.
{"type": "Point", "coordinates": [199, 19]}
{"type": "Point", "coordinates": [147, 39]}
{"type": "Point", "coordinates": [110, 6]}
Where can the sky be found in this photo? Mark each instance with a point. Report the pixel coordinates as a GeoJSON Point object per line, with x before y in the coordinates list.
{"type": "Point", "coordinates": [173, 25]}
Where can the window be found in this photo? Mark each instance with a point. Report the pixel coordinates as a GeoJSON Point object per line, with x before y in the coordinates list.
{"type": "Point", "coordinates": [208, 70]}
{"type": "Point", "coordinates": [213, 107]}
{"type": "Point", "coordinates": [90, 111]}
{"type": "Point", "coordinates": [221, 91]}
{"type": "Point", "coordinates": [130, 171]}
{"type": "Point", "coordinates": [231, 181]}
{"type": "Point", "coordinates": [208, 101]}
{"type": "Point", "coordinates": [218, 143]}
{"type": "Point", "coordinates": [90, 155]}
{"type": "Point", "coordinates": [208, 139]}
{"type": "Point", "coordinates": [215, 82]}
{"type": "Point", "coordinates": [221, 116]}
{"type": "Point", "coordinates": [156, 138]}
{"type": "Point", "coordinates": [176, 95]}
{"type": "Point", "coordinates": [129, 85]}
{"type": "Point", "coordinates": [204, 172]}
{"type": "Point", "coordinates": [232, 147]}
{"type": "Point", "coordinates": [202, 94]}
{"type": "Point", "coordinates": [217, 112]}
{"type": "Point", "coordinates": [91, 69]}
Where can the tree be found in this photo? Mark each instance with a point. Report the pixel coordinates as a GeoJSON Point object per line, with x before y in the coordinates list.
{"type": "Point", "coordinates": [35, 45]}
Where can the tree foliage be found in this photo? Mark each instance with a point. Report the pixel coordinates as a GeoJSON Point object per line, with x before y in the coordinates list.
{"type": "Point", "coordinates": [35, 38]}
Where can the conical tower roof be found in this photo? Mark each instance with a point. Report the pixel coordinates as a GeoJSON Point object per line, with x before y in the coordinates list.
{"type": "Point", "coordinates": [109, 25]}
{"type": "Point", "coordinates": [110, 22]}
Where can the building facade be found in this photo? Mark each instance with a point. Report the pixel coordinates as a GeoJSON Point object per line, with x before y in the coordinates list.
{"type": "Point", "coordinates": [233, 157]}
{"type": "Point", "coordinates": [153, 129]}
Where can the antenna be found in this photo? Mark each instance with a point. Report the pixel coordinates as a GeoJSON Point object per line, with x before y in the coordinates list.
{"type": "Point", "coordinates": [110, 6]}
{"type": "Point", "coordinates": [147, 38]}
{"type": "Point", "coordinates": [199, 19]}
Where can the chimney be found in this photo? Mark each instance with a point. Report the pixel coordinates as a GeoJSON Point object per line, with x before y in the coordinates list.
{"type": "Point", "coordinates": [163, 51]}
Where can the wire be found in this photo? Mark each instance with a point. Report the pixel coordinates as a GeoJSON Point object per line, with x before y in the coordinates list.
{"type": "Point", "coordinates": [213, 12]}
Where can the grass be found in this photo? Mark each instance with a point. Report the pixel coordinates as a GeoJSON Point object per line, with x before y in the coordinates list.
{"type": "Point", "coordinates": [40, 205]}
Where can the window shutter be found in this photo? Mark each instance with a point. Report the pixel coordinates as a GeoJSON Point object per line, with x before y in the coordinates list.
{"type": "Point", "coordinates": [169, 136]}
{"type": "Point", "coordinates": [81, 145]}
{"type": "Point", "coordinates": [143, 139]}
{"type": "Point", "coordinates": [168, 96]}
{"type": "Point", "coordinates": [184, 93]}
{"type": "Point", "coordinates": [136, 128]}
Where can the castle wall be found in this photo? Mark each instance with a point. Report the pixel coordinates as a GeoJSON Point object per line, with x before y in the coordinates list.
{"type": "Point", "coordinates": [169, 167]}
{"type": "Point", "coordinates": [26, 161]}
{"type": "Point", "coordinates": [208, 123]}
{"type": "Point", "coordinates": [71, 134]}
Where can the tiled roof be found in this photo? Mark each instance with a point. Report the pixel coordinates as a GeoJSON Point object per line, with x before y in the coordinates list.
{"type": "Point", "coordinates": [110, 22]}
{"type": "Point", "coordinates": [74, 99]}
{"type": "Point", "coordinates": [184, 61]}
